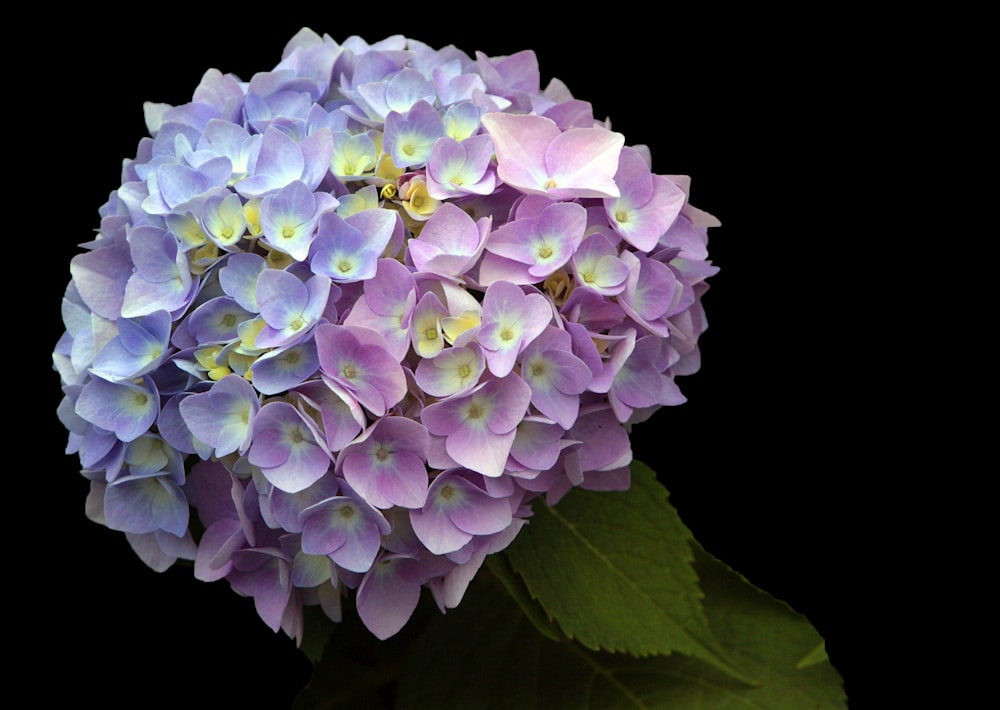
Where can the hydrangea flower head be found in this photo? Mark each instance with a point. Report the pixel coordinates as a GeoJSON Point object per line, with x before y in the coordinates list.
{"type": "Point", "coordinates": [343, 322]}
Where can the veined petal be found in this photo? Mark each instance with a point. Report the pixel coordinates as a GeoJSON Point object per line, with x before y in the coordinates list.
{"type": "Point", "coordinates": [146, 504]}
{"type": "Point", "coordinates": [125, 408]}
{"type": "Point", "coordinates": [388, 596]}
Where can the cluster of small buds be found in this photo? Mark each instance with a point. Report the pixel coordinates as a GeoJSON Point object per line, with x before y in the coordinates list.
{"type": "Point", "coordinates": [343, 322]}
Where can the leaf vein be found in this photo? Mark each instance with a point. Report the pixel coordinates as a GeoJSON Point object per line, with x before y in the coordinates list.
{"type": "Point", "coordinates": [604, 559]}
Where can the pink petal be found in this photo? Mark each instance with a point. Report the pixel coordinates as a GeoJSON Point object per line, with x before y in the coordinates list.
{"type": "Point", "coordinates": [520, 142]}
{"type": "Point", "coordinates": [583, 163]}
{"type": "Point", "coordinates": [387, 596]}
{"type": "Point", "coordinates": [479, 449]}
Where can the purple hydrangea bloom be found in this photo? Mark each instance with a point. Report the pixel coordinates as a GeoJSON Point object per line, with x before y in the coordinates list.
{"type": "Point", "coordinates": [386, 305]}
{"type": "Point", "coordinates": [286, 448]}
{"type": "Point", "coordinates": [511, 320]}
{"type": "Point", "coordinates": [140, 347]}
{"type": "Point", "coordinates": [354, 156]}
{"type": "Point", "coordinates": [450, 242]}
{"type": "Point", "coordinates": [348, 249]}
{"type": "Point", "coordinates": [343, 322]}
{"type": "Point", "coordinates": [457, 509]}
{"type": "Point", "coordinates": [278, 160]}
{"type": "Point", "coordinates": [452, 371]}
{"type": "Point", "coordinates": [288, 218]}
{"type": "Point", "coordinates": [410, 135]}
{"type": "Point", "coordinates": [389, 593]}
{"type": "Point", "coordinates": [357, 359]}
{"type": "Point", "coordinates": [479, 427]}
{"type": "Point", "coordinates": [346, 528]}
{"type": "Point", "coordinates": [537, 157]}
{"type": "Point", "coordinates": [529, 249]}
{"type": "Point", "coordinates": [648, 203]}
{"type": "Point", "coordinates": [126, 408]}
{"type": "Point", "coordinates": [387, 466]}
{"type": "Point", "coordinates": [223, 219]}
{"type": "Point", "coordinates": [555, 375]}
{"type": "Point", "coordinates": [289, 307]}
{"type": "Point", "coordinates": [146, 495]}
{"type": "Point", "coordinates": [462, 168]}
{"type": "Point", "coordinates": [162, 279]}
{"type": "Point", "coordinates": [223, 416]}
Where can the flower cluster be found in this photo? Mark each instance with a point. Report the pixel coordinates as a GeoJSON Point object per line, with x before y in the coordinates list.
{"type": "Point", "coordinates": [344, 321]}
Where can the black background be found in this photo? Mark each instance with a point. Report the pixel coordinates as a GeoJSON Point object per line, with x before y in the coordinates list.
{"type": "Point", "coordinates": [772, 463]}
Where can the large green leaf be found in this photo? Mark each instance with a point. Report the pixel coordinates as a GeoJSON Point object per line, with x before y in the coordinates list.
{"type": "Point", "coordinates": [488, 654]}
{"type": "Point", "coordinates": [615, 571]}
{"type": "Point", "coordinates": [500, 567]}
{"type": "Point", "coordinates": [765, 636]}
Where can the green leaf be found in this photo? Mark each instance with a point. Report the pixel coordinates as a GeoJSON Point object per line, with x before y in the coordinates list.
{"type": "Point", "coordinates": [488, 654]}
{"type": "Point", "coordinates": [499, 565]}
{"type": "Point", "coordinates": [614, 571]}
{"type": "Point", "coordinates": [767, 637]}
{"type": "Point", "coordinates": [817, 655]}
